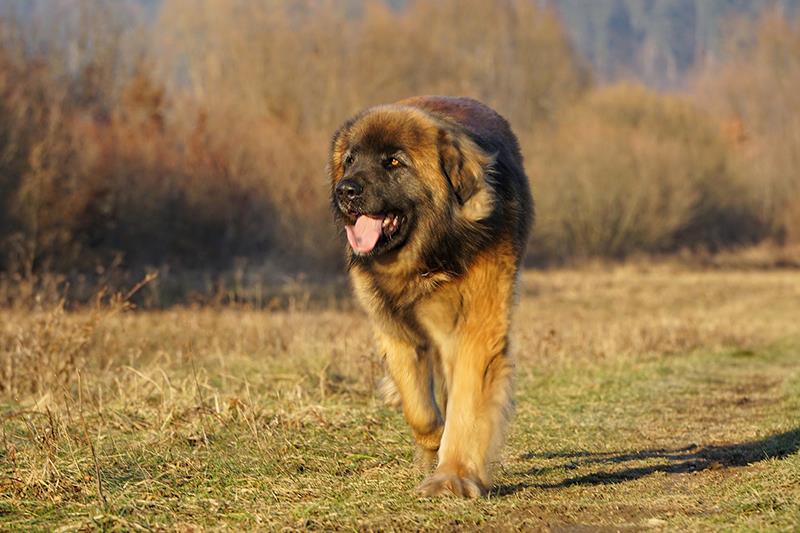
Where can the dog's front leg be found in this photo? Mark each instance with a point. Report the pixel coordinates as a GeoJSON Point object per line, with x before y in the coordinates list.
{"type": "Point", "coordinates": [478, 372]}
{"type": "Point", "coordinates": [411, 369]}
{"type": "Point", "coordinates": [477, 410]}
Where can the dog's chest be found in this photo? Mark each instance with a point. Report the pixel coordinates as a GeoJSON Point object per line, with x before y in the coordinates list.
{"type": "Point", "coordinates": [439, 316]}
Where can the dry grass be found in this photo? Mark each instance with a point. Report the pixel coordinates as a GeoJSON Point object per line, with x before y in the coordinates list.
{"type": "Point", "coordinates": [648, 397]}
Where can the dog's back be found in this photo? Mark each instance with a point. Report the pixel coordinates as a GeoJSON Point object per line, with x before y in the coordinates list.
{"type": "Point", "coordinates": [493, 134]}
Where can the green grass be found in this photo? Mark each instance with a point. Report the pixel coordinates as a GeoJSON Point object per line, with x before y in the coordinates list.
{"type": "Point", "coordinates": [702, 439]}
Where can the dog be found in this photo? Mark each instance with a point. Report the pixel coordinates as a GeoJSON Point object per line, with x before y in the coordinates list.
{"type": "Point", "coordinates": [436, 207]}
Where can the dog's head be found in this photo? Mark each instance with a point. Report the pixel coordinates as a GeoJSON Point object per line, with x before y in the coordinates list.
{"type": "Point", "coordinates": [402, 178]}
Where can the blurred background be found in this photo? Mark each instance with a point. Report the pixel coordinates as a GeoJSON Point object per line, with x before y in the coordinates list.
{"type": "Point", "coordinates": [189, 137]}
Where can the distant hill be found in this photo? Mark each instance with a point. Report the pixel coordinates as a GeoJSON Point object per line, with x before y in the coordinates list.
{"type": "Point", "coordinates": [656, 41]}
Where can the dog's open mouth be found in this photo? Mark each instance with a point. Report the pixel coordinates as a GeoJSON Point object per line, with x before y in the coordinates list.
{"type": "Point", "coordinates": [367, 231]}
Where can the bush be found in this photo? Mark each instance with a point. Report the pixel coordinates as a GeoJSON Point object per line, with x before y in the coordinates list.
{"type": "Point", "coordinates": [755, 92]}
{"type": "Point", "coordinates": [201, 136]}
{"type": "Point", "coordinates": [628, 170]}
{"type": "Point", "coordinates": [216, 148]}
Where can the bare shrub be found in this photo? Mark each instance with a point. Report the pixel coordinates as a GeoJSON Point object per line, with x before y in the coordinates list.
{"type": "Point", "coordinates": [755, 90]}
{"type": "Point", "coordinates": [278, 78]}
{"type": "Point", "coordinates": [201, 137]}
{"type": "Point", "coordinates": [628, 170]}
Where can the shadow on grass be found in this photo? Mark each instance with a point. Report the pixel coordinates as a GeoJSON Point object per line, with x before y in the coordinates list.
{"type": "Point", "coordinates": [692, 458]}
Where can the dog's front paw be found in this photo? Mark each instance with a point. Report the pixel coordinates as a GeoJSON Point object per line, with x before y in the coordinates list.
{"type": "Point", "coordinates": [442, 484]}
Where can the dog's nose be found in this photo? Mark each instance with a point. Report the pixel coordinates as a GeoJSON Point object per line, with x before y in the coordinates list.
{"type": "Point", "coordinates": [349, 189]}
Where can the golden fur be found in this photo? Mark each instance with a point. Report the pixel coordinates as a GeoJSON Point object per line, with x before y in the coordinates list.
{"type": "Point", "coordinates": [440, 301]}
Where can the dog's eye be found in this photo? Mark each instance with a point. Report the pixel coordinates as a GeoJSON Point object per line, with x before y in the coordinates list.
{"type": "Point", "coordinates": [348, 160]}
{"type": "Point", "coordinates": [392, 162]}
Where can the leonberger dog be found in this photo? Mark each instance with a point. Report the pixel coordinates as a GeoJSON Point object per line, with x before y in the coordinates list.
{"type": "Point", "coordinates": [432, 196]}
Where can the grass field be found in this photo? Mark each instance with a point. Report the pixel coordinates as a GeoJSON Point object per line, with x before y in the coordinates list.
{"type": "Point", "coordinates": [647, 399]}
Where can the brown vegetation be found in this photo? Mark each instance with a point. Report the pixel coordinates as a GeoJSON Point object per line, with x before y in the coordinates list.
{"type": "Point", "coordinates": [201, 137]}
{"type": "Point", "coordinates": [627, 170]}
{"type": "Point", "coordinates": [756, 89]}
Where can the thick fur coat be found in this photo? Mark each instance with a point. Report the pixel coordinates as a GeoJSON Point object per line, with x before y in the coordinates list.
{"type": "Point", "coordinates": [432, 195]}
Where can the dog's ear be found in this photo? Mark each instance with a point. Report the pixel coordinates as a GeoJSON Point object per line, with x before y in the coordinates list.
{"type": "Point", "coordinates": [335, 154]}
{"type": "Point", "coordinates": [467, 168]}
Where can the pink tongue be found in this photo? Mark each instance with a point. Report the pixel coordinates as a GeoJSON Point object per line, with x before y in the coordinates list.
{"type": "Point", "coordinates": [363, 236]}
